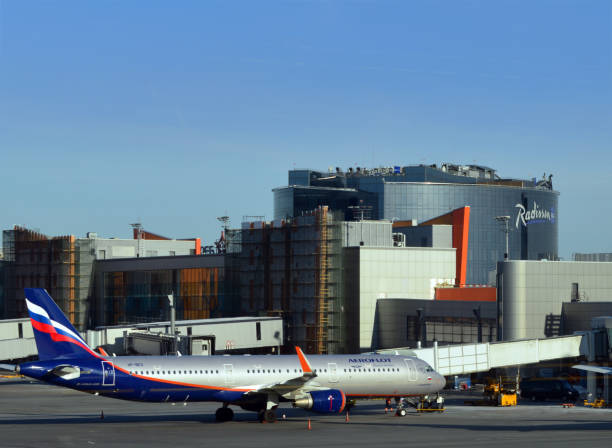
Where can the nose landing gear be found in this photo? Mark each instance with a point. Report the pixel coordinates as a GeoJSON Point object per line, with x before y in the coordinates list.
{"type": "Point", "coordinates": [224, 414]}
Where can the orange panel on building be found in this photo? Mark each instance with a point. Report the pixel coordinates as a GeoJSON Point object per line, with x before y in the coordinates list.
{"type": "Point", "coordinates": [460, 220]}
{"type": "Point", "coordinates": [475, 294]}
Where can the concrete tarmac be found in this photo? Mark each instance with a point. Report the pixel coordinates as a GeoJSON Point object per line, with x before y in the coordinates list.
{"type": "Point", "coordinates": [34, 414]}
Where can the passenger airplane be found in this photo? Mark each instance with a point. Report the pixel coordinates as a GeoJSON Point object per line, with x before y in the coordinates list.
{"type": "Point", "coordinates": [322, 383]}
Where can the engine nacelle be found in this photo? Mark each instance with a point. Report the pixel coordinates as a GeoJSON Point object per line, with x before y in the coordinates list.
{"type": "Point", "coordinates": [329, 401]}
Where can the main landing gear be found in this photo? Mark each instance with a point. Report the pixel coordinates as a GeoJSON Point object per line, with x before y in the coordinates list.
{"type": "Point", "coordinates": [264, 405]}
{"type": "Point", "coordinates": [224, 414]}
{"type": "Point", "coordinates": [267, 416]}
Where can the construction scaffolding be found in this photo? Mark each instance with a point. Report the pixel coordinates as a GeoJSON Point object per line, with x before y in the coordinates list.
{"type": "Point", "coordinates": [292, 268]}
{"type": "Point", "coordinates": [58, 264]}
{"type": "Point", "coordinates": [321, 283]}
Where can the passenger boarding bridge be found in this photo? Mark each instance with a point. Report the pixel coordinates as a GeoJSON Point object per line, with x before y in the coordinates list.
{"type": "Point", "coordinates": [595, 345]}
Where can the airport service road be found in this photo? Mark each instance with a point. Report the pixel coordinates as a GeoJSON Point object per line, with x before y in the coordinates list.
{"type": "Point", "coordinates": [37, 415]}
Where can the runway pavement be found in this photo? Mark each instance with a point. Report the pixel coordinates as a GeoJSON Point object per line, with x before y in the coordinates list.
{"type": "Point", "coordinates": [38, 415]}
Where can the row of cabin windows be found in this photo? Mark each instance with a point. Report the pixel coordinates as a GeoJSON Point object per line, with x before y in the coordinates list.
{"type": "Point", "coordinates": [206, 372]}
{"type": "Point", "coordinates": [172, 372]}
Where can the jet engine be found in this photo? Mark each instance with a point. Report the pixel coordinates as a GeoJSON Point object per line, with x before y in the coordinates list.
{"type": "Point", "coordinates": [328, 401]}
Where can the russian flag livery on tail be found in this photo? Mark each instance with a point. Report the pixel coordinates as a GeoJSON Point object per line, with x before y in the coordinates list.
{"type": "Point", "coordinates": [319, 383]}
{"type": "Point", "coordinates": [55, 336]}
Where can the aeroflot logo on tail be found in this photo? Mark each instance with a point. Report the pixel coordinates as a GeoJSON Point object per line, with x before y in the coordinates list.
{"type": "Point", "coordinates": [534, 215]}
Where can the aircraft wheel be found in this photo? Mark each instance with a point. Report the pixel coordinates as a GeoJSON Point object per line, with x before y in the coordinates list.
{"type": "Point", "coordinates": [224, 414]}
{"type": "Point", "coordinates": [220, 414]}
{"type": "Point", "coordinates": [269, 416]}
{"type": "Point", "coordinates": [401, 412]}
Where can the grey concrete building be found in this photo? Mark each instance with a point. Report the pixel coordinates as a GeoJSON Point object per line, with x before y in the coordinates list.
{"type": "Point", "coordinates": [578, 316]}
{"type": "Point", "coordinates": [374, 273]}
{"type": "Point", "coordinates": [531, 294]}
{"type": "Point", "coordinates": [439, 235]}
{"type": "Point", "coordinates": [593, 257]}
{"type": "Point", "coordinates": [405, 322]}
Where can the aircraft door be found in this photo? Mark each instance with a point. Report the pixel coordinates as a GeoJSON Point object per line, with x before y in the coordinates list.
{"type": "Point", "coordinates": [333, 372]}
{"type": "Point", "coordinates": [412, 371]}
{"type": "Point", "coordinates": [228, 370]}
{"type": "Point", "coordinates": [108, 373]}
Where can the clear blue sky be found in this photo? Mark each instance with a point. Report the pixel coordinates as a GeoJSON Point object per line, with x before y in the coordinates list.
{"type": "Point", "coordinates": [178, 112]}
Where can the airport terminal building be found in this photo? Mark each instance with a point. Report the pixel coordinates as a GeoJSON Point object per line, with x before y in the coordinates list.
{"type": "Point", "coordinates": [420, 193]}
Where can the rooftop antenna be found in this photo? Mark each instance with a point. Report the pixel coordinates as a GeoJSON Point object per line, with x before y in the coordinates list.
{"type": "Point", "coordinates": [224, 220]}
{"type": "Point", "coordinates": [172, 304]}
{"type": "Point", "coordinates": [222, 243]}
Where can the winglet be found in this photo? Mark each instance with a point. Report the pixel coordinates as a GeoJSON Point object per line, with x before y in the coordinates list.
{"type": "Point", "coordinates": [306, 368]}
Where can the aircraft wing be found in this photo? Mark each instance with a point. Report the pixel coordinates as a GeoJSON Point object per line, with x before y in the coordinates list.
{"type": "Point", "coordinates": [597, 369]}
{"type": "Point", "coordinates": [286, 386]}
{"type": "Point", "coordinates": [296, 385]}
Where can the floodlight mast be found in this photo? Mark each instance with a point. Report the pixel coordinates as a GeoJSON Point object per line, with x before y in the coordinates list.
{"type": "Point", "coordinates": [505, 220]}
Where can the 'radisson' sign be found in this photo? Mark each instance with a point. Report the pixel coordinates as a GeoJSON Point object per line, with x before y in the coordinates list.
{"type": "Point", "coordinates": [533, 215]}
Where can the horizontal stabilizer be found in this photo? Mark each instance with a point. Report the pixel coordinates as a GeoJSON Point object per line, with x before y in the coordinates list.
{"type": "Point", "coordinates": [9, 367]}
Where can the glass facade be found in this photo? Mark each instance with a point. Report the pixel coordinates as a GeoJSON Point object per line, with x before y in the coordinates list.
{"type": "Point", "coordinates": [295, 201]}
{"type": "Point", "coordinates": [528, 239]}
{"type": "Point", "coordinates": [423, 193]}
{"type": "Point", "coordinates": [142, 296]}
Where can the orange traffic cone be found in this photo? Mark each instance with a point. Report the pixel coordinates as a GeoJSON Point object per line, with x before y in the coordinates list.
{"type": "Point", "coordinates": [309, 426]}
{"type": "Point", "coordinates": [347, 417]}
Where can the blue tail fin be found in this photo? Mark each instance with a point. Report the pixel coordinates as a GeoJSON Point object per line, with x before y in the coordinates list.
{"type": "Point", "coordinates": [54, 334]}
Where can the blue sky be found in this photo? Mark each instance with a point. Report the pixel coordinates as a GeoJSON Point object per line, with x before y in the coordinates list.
{"type": "Point", "coordinates": [175, 113]}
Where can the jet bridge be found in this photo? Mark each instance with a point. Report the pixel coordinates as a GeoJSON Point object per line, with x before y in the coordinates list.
{"type": "Point", "coordinates": [595, 345]}
{"type": "Point", "coordinates": [472, 358]}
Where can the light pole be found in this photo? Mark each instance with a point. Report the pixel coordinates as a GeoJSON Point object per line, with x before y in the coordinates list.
{"type": "Point", "coordinates": [172, 321]}
{"type": "Point", "coordinates": [505, 220]}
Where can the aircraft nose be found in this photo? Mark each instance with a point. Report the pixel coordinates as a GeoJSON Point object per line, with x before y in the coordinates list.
{"type": "Point", "coordinates": [440, 381]}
